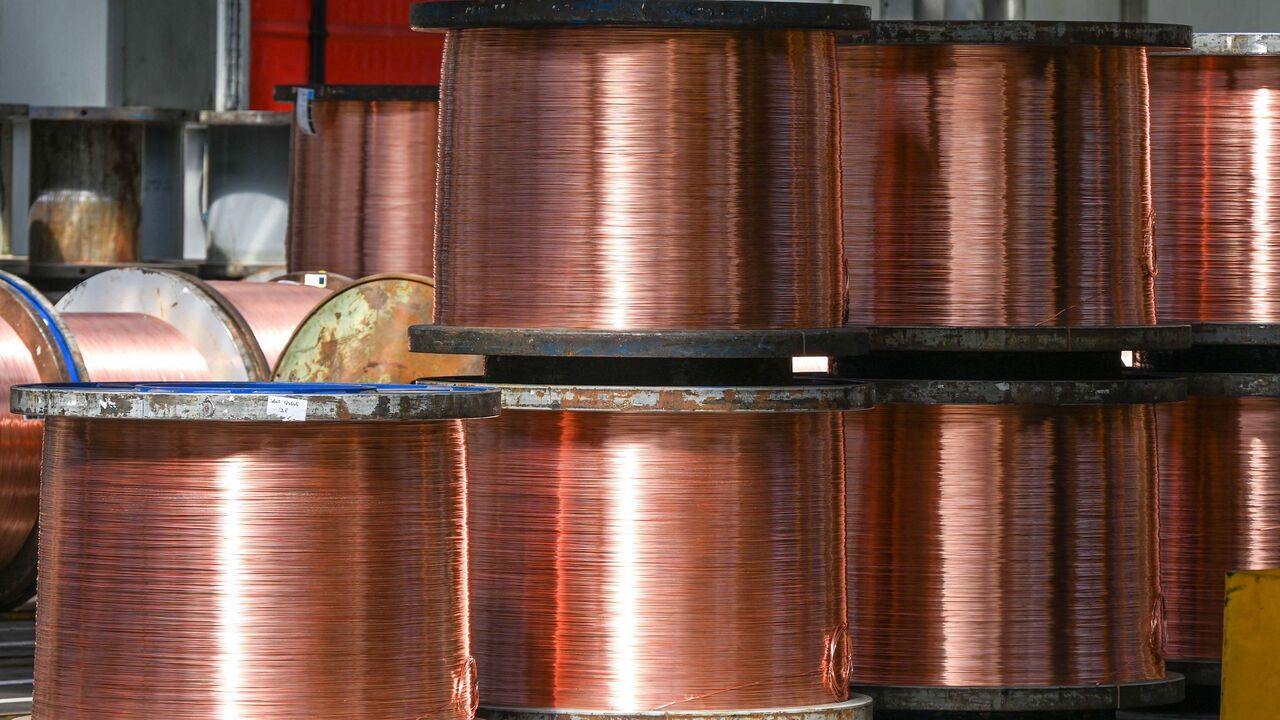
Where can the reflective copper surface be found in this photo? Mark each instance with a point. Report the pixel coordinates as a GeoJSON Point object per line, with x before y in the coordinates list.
{"type": "Point", "coordinates": [1003, 545]}
{"type": "Point", "coordinates": [19, 448]}
{"type": "Point", "coordinates": [1215, 152]}
{"type": "Point", "coordinates": [132, 346]}
{"type": "Point", "coordinates": [1219, 509]}
{"type": "Point", "coordinates": [273, 310]}
{"type": "Point", "coordinates": [193, 570]}
{"type": "Point", "coordinates": [997, 185]}
{"type": "Point", "coordinates": [658, 561]}
{"type": "Point", "coordinates": [639, 178]}
{"type": "Point", "coordinates": [361, 198]}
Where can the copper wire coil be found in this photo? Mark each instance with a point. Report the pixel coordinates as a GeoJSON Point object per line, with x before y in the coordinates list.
{"type": "Point", "coordinates": [273, 310]}
{"type": "Point", "coordinates": [1215, 152]}
{"type": "Point", "coordinates": [193, 570]}
{"type": "Point", "coordinates": [360, 201]}
{"type": "Point", "coordinates": [1004, 545]}
{"type": "Point", "coordinates": [580, 191]}
{"type": "Point", "coordinates": [1219, 509]}
{"type": "Point", "coordinates": [997, 185]}
{"type": "Point", "coordinates": [20, 459]}
{"type": "Point", "coordinates": [658, 562]}
{"type": "Point", "coordinates": [132, 346]}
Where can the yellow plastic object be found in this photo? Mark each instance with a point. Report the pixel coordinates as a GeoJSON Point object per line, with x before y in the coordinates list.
{"type": "Point", "coordinates": [1251, 646]}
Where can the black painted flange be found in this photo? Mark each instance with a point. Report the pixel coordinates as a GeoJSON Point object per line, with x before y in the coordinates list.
{"type": "Point", "coordinates": [709, 14]}
{"type": "Point", "coordinates": [360, 93]}
{"type": "Point", "coordinates": [1022, 32]}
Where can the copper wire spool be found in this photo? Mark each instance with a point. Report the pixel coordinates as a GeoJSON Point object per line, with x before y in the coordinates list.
{"type": "Point", "coordinates": [580, 191]}
{"type": "Point", "coordinates": [360, 201]}
{"type": "Point", "coordinates": [1215, 146]}
{"type": "Point", "coordinates": [129, 346]}
{"type": "Point", "coordinates": [1004, 545]}
{"type": "Point", "coordinates": [996, 184]}
{"type": "Point", "coordinates": [277, 570]}
{"type": "Point", "coordinates": [273, 310]}
{"type": "Point", "coordinates": [19, 456]}
{"type": "Point", "coordinates": [658, 562]}
{"type": "Point", "coordinates": [1219, 509]}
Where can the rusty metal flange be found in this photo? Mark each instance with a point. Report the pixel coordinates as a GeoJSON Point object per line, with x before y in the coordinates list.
{"type": "Point", "coordinates": [1136, 389]}
{"type": "Point", "coordinates": [932, 338]}
{"type": "Point", "coordinates": [858, 707]}
{"type": "Point", "coordinates": [1165, 691]}
{"type": "Point", "coordinates": [730, 14]}
{"type": "Point", "coordinates": [1022, 32]}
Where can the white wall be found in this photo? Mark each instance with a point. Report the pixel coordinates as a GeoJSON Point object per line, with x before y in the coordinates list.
{"type": "Point", "coordinates": [57, 52]}
{"type": "Point", "coordinates": [1218, 15]}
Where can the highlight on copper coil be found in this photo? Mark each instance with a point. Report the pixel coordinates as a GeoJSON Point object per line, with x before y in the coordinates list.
{"type": "Point", "coordinates": [1219, 509]}
{"type": "Point", "coordinates": [1215, 153]}
{"type": "Point", "coordinates": [275, 570]}
{"type": "Point", "coordinates": [658, 561]}
{"type": "Point", "coordinates": [273, 310]}
{"type": "Point", "coordinates": [132, 346]}
{"type": "Point", "coordinates": [19, 458]}
{"type": "Point", "coordinates": [361, 196]}
{"type": "Point", "coordinates": [591, 191]}
{"type": "Point", "coordinates": [997, 185]}
{"type": "Point", "coordinates": [1004, 545]}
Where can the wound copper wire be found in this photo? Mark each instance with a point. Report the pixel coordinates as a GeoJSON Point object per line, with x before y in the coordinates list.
{"type": "Point", "coordinates": [1003, 545]}
{"type": "Point", "coordinates": [361, 197]}
{"type": "Point", "coordinates": [19, 449]}
{"type": "Point", "coordinates": [996, 185]}
{"type": "Point", "coordinates": [194, 570]}
{"type": "Point", "coordinates": [639, 178]}
{"type": "Point", "coordinates": [1215, 146]}
{"type": "Point", "coordinates": [1219, 508]}
{"type": "Point", "coordinates": [273, 310]}
{"type": "Point", "coordinates": [658, 561]}
{"type": "Point", "coordinates": [118, 347]}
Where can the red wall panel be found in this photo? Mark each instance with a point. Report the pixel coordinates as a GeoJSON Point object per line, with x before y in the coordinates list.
{"type": "Point", "coordinates": [369, 43]}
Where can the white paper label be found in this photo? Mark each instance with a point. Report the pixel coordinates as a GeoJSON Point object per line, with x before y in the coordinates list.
{"type": "Point", "coordinates": [302, 110]}
{"type": "Point", "coordinates": [287, 408]}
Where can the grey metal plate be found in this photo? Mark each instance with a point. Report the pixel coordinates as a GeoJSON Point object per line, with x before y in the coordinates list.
{"type": "Point", "coordinates": [856, 708]}
{"type": "Point", "coordinates": [1234, 384]}
{"type": "Point", "coordinates": [244, 117]}
{"type": "Point", "coordinates": [817, 396]}
{"type": "Point", "coordinates": [1249, 334]}
{"type": "Point", "coordinates": [1242, 44]}
{"type": "Point", "coordinates": [640, 13]}
{"type": "Point", "coordinates": [110, 114]}
{"type": "Point", "coordinates": [1022, 32]}
{"type": "Point", "coordinates": [360, 93]}
{"type": "Point", "coordinates": [1025, 699]}
{"type": "Point", "coordinates": [691, 344]}
{"type": "Point", "coordinates": [254, 402]}
{"type": "Point", "coordinates": [1029, 339]}
{"type": "Point", "coordinates": [1031, 392]}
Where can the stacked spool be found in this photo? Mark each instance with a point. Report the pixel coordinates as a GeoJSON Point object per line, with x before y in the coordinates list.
{"type": "Point", "coordinates": [120, 325]}
{"type": "Point", "coordinates": [1215, 136]}
{"type": "Point", "coordinates": [362, 178]}
{"type": "Point", "coordinates": [657, 521]}
{"type": "Point", "coordinates": [85, 210]}
{"type": "Point", "coordinates": [193, 534]}
{"type": "Point", "coordinates": [1002, 549]}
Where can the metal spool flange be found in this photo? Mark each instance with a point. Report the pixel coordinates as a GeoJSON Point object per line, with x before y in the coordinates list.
{"type": "Point", "coordinates": [907, 699]}
{"type": "Point", "coordinates": [1136, 389]}
{"type": "Point", "coordinates": [255, 402]}
{"type": "Point", "coordinates": [722, 14]}
{"type": "Point", "coordinates": [819, 395]}
{"type": "Point", "coordinates": [1029, 339]}
{"type": "Point", "coordinates": [1198, 673]}
{"type": "Point", "coordinates": [359, 93]}
{"type": "Point", "coordinates": [56, 358]}
{"type": "Point", "coordinates": [858, 707]}
{"type": "Point", "coordinates": [672, 344]}
{"type": "Point", "coordinates": [1023, 32]}
{"type": "Point", "coordinates": [1232, 45]}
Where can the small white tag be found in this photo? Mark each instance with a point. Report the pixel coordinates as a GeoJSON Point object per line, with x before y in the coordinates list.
{"type": "Point", "coordinates": [287, 408]}
{"type": "Point", "coordinates": [316, 280]}
{"type": "Point", "coordinates": [302, 110]}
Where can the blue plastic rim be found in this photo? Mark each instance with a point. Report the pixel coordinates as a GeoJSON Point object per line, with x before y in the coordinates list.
{"type": "Point", "coordinates": [47, 316]}
{"type": "Point", "coordinates": [260, 388]}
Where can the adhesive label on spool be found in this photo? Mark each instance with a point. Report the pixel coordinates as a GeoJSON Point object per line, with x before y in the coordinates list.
{"type": "Point", "coordinates": [302, 110]}
{"type": "Point", "coordinates": [287, 408]}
